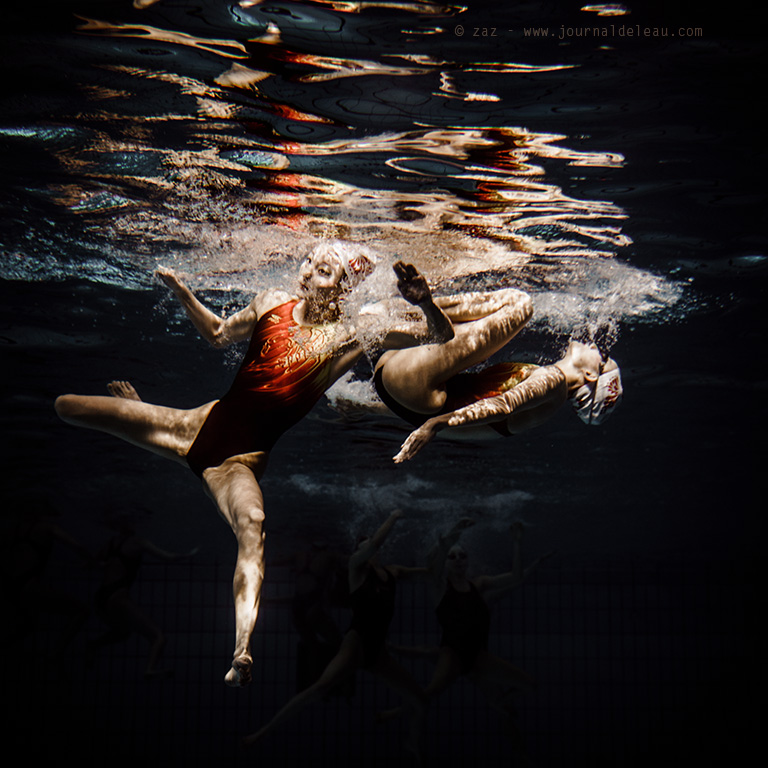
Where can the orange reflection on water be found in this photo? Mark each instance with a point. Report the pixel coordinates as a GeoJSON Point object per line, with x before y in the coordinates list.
{"type": "Point", "coordinates": [448, 143]}
{"type": "Point", "coordinates": [606, 10]}
{"type": "Point", "coordinates": [228, 48]}
{"type": "Point", "coordinates": [345, 67]}
{"type": "Point", "coordinates": [349, 6]}
{"type": "Point", "coordinates": [486, 183]}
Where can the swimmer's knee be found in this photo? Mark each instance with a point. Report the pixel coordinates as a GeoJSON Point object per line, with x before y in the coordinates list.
{"type": "Point", "coordinates": [518, 303]}
{"type": "Point", "coordinates": [525, 303]}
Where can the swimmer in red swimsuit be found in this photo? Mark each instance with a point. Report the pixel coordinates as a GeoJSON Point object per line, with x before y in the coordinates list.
{"type": "Point", "coordinates": [298, 347]}
{"type": "Point", "coordinates": [428, 386]}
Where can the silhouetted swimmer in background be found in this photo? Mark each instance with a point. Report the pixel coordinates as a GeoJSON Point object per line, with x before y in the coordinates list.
{"type": "Point", "coordinates": [120, 560]}
{"type": "Point", "coordinates": [28, 584]}
{"type": "Point", "coordinates": [317, 572]}
{"type": "Point", "coordinates": [299, 345]}
{"type": "Point", "coordinates": [464, 616]}
{"type": "Point", "coordinates": [372, 589]}
{"type": "Point", "coordinates": [428, 387]}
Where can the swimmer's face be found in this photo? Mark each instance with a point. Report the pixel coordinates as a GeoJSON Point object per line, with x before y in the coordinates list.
{"type": "Point", "coordinates": [320, 276]}
{"type": "Point", "coordinates": [589, 359]}
{"type": "Point", "coordinates": [457, 560]}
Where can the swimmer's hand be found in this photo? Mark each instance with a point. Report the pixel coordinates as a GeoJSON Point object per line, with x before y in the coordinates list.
{"type": "Point", "coordinates": [170, 278]}
{"type": "Point", "coordinates": [419, 438]}
{"type": "Point", "coordinates": [411, 283]}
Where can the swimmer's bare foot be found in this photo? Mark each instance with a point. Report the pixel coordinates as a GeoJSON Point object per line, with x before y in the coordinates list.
{"type": "Point", "coordinates": [239, 674]}
{"type": "Point", "coordinates": [123, 389]}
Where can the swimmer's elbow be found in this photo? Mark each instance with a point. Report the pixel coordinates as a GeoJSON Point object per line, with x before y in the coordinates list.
{"type": "Point", "coordinates": [218, 336]}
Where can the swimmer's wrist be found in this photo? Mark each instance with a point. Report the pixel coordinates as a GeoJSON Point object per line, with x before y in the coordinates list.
{"type": "Point", "coordinates": [436, 423]}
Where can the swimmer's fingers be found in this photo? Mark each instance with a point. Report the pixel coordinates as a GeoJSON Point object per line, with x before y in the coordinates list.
{"type": "Point", "coordinates": [411, 283]}
{"type": "Point", "coordinates": [404, 271]}
{"type": "Point", "coordinates": [169, 277]}
{"type": "Point", "coordinates": [414, 443]}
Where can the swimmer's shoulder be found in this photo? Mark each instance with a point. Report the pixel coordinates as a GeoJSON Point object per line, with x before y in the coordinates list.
{"type": "Point", "coordinates": [268, 300]}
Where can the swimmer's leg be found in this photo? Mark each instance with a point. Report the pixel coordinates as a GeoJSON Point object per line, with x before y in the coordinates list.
{"type": "Point", "coordinates": [168, 432]}
{"type": "Point", "coordinates": [234, 488]}
{"type": "Point", "coordinates": [483, 324]}
{"type": "Point", "coordinates": [496, 677]}
{"type": "Point", "coordinates": [340, 666]}
{"type": "Point", "coordinates": [131, 615]}
{"type": "Point", "coordinates": [447, 671]}
{"type": "Point", "coordinates": [466, 307]}
{"type": "Point", "coordinates": [415, 705]}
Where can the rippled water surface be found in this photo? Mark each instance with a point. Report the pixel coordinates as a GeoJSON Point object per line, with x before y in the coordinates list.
{"type": "Point", "coordinates": [616, 177]}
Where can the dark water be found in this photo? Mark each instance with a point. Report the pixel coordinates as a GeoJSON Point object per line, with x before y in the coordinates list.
{"type": "Point", "coordinates": [618, 179]}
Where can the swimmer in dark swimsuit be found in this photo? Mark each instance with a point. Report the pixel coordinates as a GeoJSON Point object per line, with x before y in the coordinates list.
{"type": "Point", "coordinates": [428, 385]}
{"type": "Point", "coordinates": [29, 586]}
{"type": "Point", "coordinates": [121, 559]}
{"type": "Point", "coordinates": [299, 347]}
{"type": "Point", "coordinates": [464, 617]}
{"type": "Point", "coordinates": [372, 598]}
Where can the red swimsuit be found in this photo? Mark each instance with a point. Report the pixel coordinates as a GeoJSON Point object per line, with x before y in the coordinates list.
{"type": "Point", "coordinates": [284, 373]}
{"type": "Point", "coordinates": [464, 389]}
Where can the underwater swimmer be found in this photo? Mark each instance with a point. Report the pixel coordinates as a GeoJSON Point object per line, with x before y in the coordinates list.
{"type": "Point", "coordinates": [428, 387]}
{"type": "Point", "coordinates": [463, 612]}
{"type": "Point", "coordinates": [372, 592]}
{"type": "Point", "coordinates": [299, 346]}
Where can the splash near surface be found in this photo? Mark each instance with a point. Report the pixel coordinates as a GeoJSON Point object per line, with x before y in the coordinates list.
{"type": "Point", "coordinates": [204, 145]}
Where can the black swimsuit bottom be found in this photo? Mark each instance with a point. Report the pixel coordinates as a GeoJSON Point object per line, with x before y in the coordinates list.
{"type": "Point", "coordinates": [465, 620]}
{"type": "Point", "coordinates": [460, 391]}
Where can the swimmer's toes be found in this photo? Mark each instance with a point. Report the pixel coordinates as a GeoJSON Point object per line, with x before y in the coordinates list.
{"type": "Point", "coordinates": [239, 674]}
{"type": "Point", "coordinates": [123, 389]}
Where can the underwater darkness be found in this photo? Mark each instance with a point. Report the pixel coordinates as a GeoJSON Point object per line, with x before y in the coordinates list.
{"type": "Point", "coordinates": [617, 179]}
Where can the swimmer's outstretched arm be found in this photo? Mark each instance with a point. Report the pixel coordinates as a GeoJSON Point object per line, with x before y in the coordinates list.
{"type": "Point", "coordinates": [367, 551]}
{"type": "Point", "coordinates": [414, 289]}
{"type": "Point", "coordinates": [218, 331]}
{"type": "Point", "coordinates": [434, 328]}
{"type": "Point", "coordinates": [494, 587]}
{"type": "Point", "coordinates": [439, 552]}
{"type": "Point", "coordinates": [543, 391]}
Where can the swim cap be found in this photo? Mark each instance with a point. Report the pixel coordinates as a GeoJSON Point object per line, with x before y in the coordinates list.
{"type": "Point", "coordinates": [358, 262]}
{"type": "Point", "coordinates": [595, 403]}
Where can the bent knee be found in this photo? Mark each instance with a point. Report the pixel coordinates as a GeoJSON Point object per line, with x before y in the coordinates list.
{"type": "Point", "coordinates": [518, 303]}
{"type": "Point", "coordinates": [526, 305]}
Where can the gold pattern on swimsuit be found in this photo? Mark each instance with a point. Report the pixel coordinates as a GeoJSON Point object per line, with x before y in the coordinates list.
{"type": "Point", "coordinates": [305, 343]}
